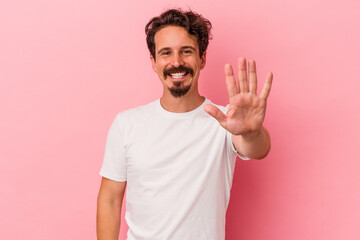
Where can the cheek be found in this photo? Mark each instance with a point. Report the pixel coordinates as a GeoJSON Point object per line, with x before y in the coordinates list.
{"type": "Point", "coordinates": [157, 67]}
{"type": "Point", "coordinates": [160, 66]}
{"type": "Point", "coordinates": [160, 71]}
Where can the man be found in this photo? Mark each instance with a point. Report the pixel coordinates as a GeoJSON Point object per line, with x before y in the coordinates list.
{"type": "Point", "coordinates": [177, 154]}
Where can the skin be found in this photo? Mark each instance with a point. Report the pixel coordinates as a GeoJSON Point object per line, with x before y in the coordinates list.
{"type": "Point", "coordinates": [246, 112]}
{"type": "Point", "coordinates": [174, 47]}
{"type": "Point", "coordinates": [109, 205]}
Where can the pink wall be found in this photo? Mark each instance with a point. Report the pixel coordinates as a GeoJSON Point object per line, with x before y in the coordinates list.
{"type": "Point", "coordinates": [67, 67]}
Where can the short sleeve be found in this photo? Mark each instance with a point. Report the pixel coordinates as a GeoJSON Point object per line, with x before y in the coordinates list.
{"type": "Point", "coordinates": [114, 162]}
{"type": "Point", "coordinates": [232, 148]}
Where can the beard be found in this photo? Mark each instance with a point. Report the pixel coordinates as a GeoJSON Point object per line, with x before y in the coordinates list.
{"type": "Point", "coordinates": [178, 89]}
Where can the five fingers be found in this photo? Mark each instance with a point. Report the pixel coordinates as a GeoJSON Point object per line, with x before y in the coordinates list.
{"type": "Point", "coordinates": [246, 85]}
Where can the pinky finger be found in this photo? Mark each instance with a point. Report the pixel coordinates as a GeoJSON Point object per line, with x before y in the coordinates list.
{"type": "Point", "coordinates": [267, 86]}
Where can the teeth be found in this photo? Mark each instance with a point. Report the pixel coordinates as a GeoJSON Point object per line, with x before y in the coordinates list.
{"type": "Point", "coordinates": [177, 75]}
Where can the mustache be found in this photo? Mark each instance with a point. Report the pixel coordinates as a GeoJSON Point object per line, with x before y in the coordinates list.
{"type": "Point", "coordinates": [179, 69]}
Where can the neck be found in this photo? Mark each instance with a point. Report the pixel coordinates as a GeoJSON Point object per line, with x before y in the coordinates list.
{"type": "Point", "coordinates": [185, 103]}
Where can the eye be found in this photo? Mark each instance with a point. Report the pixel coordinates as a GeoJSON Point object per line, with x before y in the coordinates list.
{"type": "Point", "coordinates": [165, 53]}
{"type": "Point", "coordinates": [187, 51]}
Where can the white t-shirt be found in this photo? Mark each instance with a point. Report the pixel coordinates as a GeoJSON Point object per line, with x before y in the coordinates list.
{"type": "Point", "coordinates": [179, 169]}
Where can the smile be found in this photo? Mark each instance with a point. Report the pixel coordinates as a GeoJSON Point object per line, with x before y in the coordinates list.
{"type": "Point", "coordinates": [179, 75]}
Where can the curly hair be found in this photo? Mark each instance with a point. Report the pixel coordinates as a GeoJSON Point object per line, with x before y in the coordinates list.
{"type": "Point", "coordinates": [193, 23]}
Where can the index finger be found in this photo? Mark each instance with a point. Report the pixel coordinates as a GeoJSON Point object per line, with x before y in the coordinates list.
{"type": "Point", "coordinates": [230, 81]}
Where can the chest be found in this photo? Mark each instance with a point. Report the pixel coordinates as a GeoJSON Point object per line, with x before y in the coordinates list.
{"type": "Point", "coordinates": [157, 150]}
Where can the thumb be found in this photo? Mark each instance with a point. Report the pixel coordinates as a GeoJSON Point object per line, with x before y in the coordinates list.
{"type": "Point", "coordinates": [215, 113]}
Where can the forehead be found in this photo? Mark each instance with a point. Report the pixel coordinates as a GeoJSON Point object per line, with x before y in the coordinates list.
{"type": "Point", "coordinates": [174, 37]}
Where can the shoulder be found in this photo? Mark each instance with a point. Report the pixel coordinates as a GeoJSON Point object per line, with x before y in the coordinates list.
{"type": "Point", "coordinates": [130, 116]}
{"type": "Point", "coordinates": [137, 111]}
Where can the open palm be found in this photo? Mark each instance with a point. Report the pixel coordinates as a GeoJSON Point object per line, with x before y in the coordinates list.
{"type": "Point", "coordinates": [246, 111]}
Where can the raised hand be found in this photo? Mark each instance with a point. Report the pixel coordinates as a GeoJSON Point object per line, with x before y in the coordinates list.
{"type": "Point", "coordinates": [246, 111]}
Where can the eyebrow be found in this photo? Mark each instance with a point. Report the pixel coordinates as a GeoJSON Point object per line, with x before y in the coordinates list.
{"type": "Point", "coordinates": [189, 47]}
{"type": "Point", "coordinates": [167, 49]}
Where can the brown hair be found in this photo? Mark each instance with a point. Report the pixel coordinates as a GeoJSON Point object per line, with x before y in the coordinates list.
{"type": "Point", "coordinates": [194, 23]}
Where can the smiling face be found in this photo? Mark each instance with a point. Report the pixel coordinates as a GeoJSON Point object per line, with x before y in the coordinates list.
{"type": "Point", "coordinates": [177, 62]}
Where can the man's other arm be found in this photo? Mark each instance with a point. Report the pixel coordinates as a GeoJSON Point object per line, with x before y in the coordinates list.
{"type": "Point", "coordinates": [109, 204]}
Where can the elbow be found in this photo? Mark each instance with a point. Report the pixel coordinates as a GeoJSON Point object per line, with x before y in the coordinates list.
{"type": "Point", "coordinates": [262, 155]}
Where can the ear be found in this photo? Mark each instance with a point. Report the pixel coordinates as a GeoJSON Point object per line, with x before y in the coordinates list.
{"type": "Point", "coordinates": [203, 61]}
{"type": "Point", "coordinates": [153, 63]}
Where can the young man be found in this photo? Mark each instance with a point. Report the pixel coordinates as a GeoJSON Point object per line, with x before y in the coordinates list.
{"type": "Point", "coordinates": [177, 154]}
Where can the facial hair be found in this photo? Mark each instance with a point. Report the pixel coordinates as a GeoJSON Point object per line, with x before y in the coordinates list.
{"type": "Point", "coordinates": [178, 89]}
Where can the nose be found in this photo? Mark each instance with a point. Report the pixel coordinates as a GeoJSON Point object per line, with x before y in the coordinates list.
{"type": "Point", "coordinates": [177, 60]}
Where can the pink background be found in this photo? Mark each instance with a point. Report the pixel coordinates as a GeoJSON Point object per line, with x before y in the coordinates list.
{"type": "Point", "coordinates": [67, 67]}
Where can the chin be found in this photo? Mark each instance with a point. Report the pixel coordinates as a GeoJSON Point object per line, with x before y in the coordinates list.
{"type": "Point", "coordinates": [179, 90]}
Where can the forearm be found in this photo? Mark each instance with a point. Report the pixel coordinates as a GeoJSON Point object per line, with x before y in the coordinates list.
{"type": "Point", "coordinates": [255, 146]}
{"type": "Point", "coordinates": [108, 220]}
